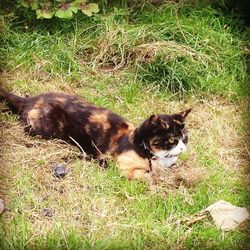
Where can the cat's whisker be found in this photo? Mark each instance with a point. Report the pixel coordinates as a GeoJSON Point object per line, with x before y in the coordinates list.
{"type": "Point", "coordinates": [96, 147]}
{"type": "Point", "coordinates": [84, 153]}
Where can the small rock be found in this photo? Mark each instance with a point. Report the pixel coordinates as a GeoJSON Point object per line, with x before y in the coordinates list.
{"type": "Point", "coordinates": [60, 171]}
{"type": "Point", "coordinates": [1, 206]}
{"type": "Point", "coordinates": [47, 212]}
{"type": "Point", "coordinates": [227, 216]}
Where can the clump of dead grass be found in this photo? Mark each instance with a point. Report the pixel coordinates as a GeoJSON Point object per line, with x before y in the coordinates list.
{"type": "Point", "coordinates": [113, 48]}
{"type": "Point", "coordinates": [224, 130]}
{"type": "Point", "coordinates": [168, 50]}
{"type": "Point", "coordinates": [182, 175]}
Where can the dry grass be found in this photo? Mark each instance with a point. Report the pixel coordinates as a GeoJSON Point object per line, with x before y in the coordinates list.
{"type": "Point", "coordinates": [169, 50]}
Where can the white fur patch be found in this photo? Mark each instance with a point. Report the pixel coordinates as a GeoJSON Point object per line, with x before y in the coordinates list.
{"type": "Point", "coordinates": [167, 162]}
{"type": "Point", "coordinates": [180, 147]}
{"type": "Point", "coordinates": [166, 158]}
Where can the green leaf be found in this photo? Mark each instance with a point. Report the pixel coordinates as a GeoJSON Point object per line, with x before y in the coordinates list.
{"type": "Point", "coordinates": [30, 3]}
{"type": "Point", "coordinates": [34, 5]}
{"type": "Point", "coordinates": [74, 9]}
{"type": "Point", "coordinates": [24, 4]}
{"type": "Point", "coordinates": [79, 1]}
{"type": "Point", "coordinates": [78, 4]}
{"type": "Point", "coordinates": [64, 13]}
{"type": "Point", "coordinates": [89, 9]}
{"type": "Point", "coordinates": [41, 13]}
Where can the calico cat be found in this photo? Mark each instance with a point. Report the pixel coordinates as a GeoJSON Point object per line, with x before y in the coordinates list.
{"type": "Point", "coordinates": [98, 131]}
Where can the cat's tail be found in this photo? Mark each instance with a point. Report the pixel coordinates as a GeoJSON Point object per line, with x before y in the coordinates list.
{"type": "Point", "coordinates": [15, 102]}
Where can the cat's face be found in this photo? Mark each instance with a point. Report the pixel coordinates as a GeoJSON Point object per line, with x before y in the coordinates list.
{"type": "Point", "coordinates": [165, 134]}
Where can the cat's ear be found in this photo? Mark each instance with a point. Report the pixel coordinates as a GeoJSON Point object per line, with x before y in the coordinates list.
{"type": "Point", "coordinates": [185, 113]}
{"type": "Point", "coordinates": [156, 121]}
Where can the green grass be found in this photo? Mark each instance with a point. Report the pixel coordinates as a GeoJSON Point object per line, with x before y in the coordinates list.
{"type": "Point", "coordinates": [147, 60]}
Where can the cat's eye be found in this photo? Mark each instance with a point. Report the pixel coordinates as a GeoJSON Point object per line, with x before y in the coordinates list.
{"type": "Point", "coordinates": [171, 140]}
{"type": "Point", "coordinates": [156, 143]}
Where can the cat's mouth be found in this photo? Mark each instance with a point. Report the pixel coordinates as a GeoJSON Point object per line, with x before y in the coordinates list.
{"type": "Point", "coordinates": [174, 152]}
{"type": "Point", "coordinates": [157, 157]}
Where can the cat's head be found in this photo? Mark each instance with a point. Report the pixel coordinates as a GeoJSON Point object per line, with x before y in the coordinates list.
{"type": "Point", "coordinates": [165, 135]}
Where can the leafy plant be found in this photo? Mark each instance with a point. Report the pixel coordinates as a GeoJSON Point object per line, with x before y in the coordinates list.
{"type": "Point", "coordinates": [60, 8]}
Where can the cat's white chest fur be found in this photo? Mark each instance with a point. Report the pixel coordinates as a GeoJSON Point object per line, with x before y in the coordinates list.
{"type": "Point", "coordinates": [167, 162]}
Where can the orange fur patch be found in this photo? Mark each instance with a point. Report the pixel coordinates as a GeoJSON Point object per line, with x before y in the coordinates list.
{"type": "Point", "coordinates": [132, 165]}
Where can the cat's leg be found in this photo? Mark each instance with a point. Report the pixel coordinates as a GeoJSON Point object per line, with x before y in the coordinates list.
{"type": "Point", "coordinates": [102, 162]}
{"type": "Point", "coordinates": [133, 166]}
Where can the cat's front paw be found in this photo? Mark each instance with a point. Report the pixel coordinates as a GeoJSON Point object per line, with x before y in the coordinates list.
{"type": "Point", "coordinates": [139, 174]}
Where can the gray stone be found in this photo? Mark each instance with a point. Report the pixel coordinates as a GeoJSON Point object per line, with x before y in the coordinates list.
{"type": "Point", "coordinates": [47, 212]}
{"type": "Point", "coordinates": [60, 171]}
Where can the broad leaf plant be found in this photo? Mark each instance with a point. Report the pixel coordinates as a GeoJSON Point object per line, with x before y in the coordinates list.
{"type": "Point", "coordinates": [65, 9]}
